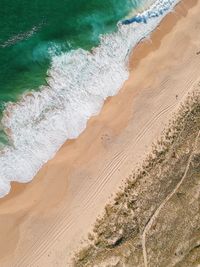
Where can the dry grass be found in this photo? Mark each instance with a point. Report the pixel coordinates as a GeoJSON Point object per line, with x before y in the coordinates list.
{"type": "Point", "coordinates": [124, 220]}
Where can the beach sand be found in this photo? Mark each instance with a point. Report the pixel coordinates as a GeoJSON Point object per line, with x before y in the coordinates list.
{"type": "Point", "coordinates": [44, 221]}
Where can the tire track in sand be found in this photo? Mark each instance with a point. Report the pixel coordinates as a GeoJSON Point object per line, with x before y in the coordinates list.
{"type": "Point", "coordinates": [108, 171]}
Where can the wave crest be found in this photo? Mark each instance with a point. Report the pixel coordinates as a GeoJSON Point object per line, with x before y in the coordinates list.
{"type": "Point", "coordinates": [78, 83]}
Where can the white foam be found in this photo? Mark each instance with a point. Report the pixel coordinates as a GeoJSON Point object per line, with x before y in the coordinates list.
{"type": "Point", "coordinates": [79, 82]}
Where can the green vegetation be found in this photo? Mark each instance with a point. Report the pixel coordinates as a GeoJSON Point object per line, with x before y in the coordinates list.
{"type": "Point", "coordinates": [157, 211]}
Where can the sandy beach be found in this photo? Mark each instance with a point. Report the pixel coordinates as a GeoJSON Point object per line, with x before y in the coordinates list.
{"type": "Point", "coordinates": [44, 221]}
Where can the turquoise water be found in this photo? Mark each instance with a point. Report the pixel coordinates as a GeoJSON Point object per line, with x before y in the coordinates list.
{"type": "Point", "coordinates": [31, 29]}
{"type": "Point", "coordinates": [50, 40]}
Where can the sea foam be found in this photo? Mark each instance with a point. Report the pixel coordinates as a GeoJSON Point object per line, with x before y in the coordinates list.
{"type": "Point", "coordinates": [78, 83]}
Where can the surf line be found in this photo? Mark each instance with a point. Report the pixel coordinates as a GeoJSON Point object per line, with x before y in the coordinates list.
{"type": "Point", "coordinates": [143, 18]}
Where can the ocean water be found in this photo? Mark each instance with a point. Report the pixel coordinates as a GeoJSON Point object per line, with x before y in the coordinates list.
{"type": "Point", "coordinates": [59, 61]}
{"type": "Point", "coordinates": [30, 31]}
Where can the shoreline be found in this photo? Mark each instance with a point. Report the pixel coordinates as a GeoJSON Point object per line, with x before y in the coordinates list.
{"type": "Point", "coordinates": [64, 119]}
{"type": "Point", "coordinates": [138, 53]}
{"type": "Point", "coordinates": [46, 196]}
{"type": "Point", "coordinates": [147, 46]}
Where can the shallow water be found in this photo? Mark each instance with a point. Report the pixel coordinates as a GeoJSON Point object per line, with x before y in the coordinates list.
{"type": "Point", "coordinates": [31, 29]}
{"type": "Point", "coordinates": [55, 44]}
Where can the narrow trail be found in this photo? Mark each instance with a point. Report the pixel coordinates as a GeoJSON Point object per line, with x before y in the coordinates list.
{"type": "Point", "coordinates": [156, 213]}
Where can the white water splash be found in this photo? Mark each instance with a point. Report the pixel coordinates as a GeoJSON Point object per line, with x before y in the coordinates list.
{"type": "Point", "coordinates": [78, 84]}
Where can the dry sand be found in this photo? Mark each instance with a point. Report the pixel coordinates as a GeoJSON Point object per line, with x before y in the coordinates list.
{"type": "Point", "coordinates": [42, 222]}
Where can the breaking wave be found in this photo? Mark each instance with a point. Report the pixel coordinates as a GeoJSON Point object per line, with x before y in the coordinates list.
{"type": "Point", "coordinates": [78, 83]}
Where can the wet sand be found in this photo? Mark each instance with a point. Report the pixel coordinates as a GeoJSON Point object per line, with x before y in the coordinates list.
{"type": "Point", "coordinates": [42, 222]}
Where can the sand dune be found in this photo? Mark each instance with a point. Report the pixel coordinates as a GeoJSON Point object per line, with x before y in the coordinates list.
{"type": "Point", "coordinates": [42, 222]}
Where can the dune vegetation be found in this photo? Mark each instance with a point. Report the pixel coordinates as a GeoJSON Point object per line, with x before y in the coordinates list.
{"type": "Point", "coordinates": [154, 220]}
